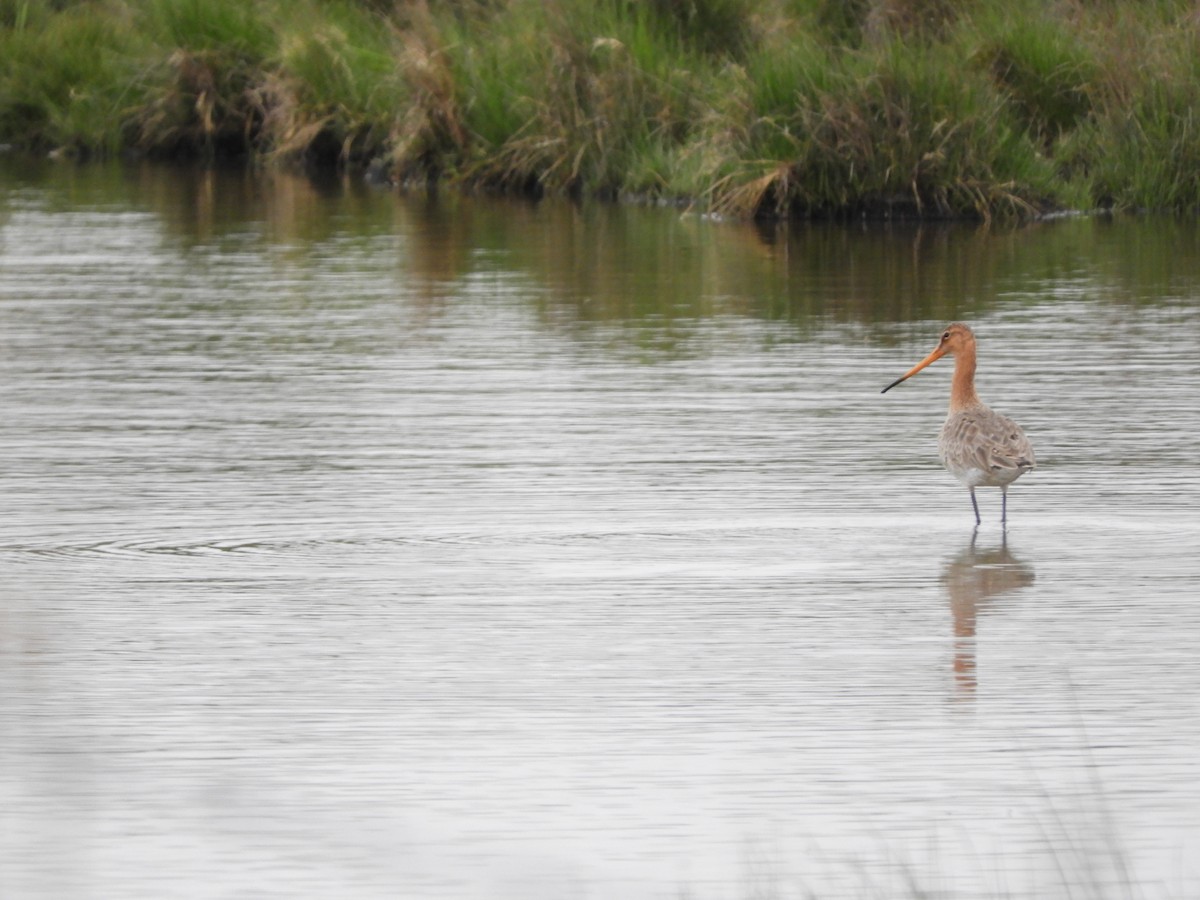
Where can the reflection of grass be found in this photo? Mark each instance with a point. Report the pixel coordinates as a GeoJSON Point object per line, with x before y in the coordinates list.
{"type": "Point", "coordinates": [1074, 850]}
{"type": "Point", "coordinates": [1071, 863]}
{"type": "Point", "coordinates": [779, 107]}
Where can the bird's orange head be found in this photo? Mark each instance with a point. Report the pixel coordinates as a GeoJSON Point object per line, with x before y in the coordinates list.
{"type": "Point", "coordinates": [956, 338]}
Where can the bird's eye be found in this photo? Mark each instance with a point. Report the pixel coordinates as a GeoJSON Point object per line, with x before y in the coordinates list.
{"type": "Point", "coordinates": [946, 336]}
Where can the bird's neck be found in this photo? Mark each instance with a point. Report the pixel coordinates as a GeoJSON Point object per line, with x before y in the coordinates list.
{"type": "Point", "coordinates": [962, 389]}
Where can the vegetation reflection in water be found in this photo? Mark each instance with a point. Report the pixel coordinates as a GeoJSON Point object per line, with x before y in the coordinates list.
{"type": "Point", "coordinates": [609, 263]}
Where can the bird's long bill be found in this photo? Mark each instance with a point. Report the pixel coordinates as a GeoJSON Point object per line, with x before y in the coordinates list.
{"type": "Point", "coordinates": [937, 354]}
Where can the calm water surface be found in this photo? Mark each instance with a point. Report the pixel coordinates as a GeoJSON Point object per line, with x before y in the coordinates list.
{"type": "Point", "coordinates": [368, 546]}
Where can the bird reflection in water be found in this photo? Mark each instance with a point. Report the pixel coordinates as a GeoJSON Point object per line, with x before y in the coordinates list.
{"type": "Point", "coordinates": [973, 579]}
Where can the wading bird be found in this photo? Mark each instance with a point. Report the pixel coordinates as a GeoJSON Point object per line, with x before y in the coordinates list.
{"type": "Point", "coordinates": [981, 448]}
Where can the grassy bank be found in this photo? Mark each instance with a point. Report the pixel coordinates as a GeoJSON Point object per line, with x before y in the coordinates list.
{"type": "Point", "coordinates": [746, 107]}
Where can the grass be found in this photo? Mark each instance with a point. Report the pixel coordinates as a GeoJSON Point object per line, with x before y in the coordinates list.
{"type": "Point", "coordinates": [66, 76]}
{"type": "Point", "coordinates": [336, 90]}
{"type": "Point", "coordinates": [818, 108]}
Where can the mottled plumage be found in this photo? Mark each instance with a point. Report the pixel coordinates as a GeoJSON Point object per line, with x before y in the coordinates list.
{"type": "Point", "coordinates": [980, 447]}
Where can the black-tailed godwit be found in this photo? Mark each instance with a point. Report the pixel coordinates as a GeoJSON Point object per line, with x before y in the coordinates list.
{"type": "Point", "coordinates": [980, 447]}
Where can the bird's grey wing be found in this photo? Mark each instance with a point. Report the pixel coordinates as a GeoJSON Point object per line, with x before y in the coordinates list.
{"type": "Point", "coordinates": [1004, 444]}
{"type": "Point", "coordinates": [986, 440]}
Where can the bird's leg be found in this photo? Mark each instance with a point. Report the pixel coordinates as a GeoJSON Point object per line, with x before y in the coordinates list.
{"type": "Point", "coordinates": [975, 505]}
{"type": "Point", "coordinates": [1004, 505]}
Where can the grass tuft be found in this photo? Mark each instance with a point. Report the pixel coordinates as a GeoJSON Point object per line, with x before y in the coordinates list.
{"type": "Point", "coordinates": [200, 86]}
{"type": "Point", "coordinates": [68, 78]}
{"type": "Point", "coordinates": [1040, 67]}
{"type": "Point", "coordinates": [337, 89]}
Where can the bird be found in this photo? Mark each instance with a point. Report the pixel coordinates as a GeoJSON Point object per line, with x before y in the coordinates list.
{"type": "Point", "coordinates": [979, 447]}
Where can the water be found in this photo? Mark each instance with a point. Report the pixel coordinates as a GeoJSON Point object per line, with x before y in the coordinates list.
{"type": "Point", "coordinates": [371, 546]}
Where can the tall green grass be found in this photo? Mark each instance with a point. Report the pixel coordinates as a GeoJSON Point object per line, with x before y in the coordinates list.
{"type": "Point", "coordinates": [1039, 67]}
{"type": "Point", "coordinates": [575, 97]}
{"type": "Point", "coordinates": [1141, 147]}
{"type": "Point", "coordinates": [67, 76]}
{"type": "Point", "coordinates": [336, 89]}
{"type": "Point", "coordinates": [772, 108]}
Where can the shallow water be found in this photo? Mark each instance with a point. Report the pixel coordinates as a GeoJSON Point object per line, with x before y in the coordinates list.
{"type": "Point", "coordinates": [364, 545]}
